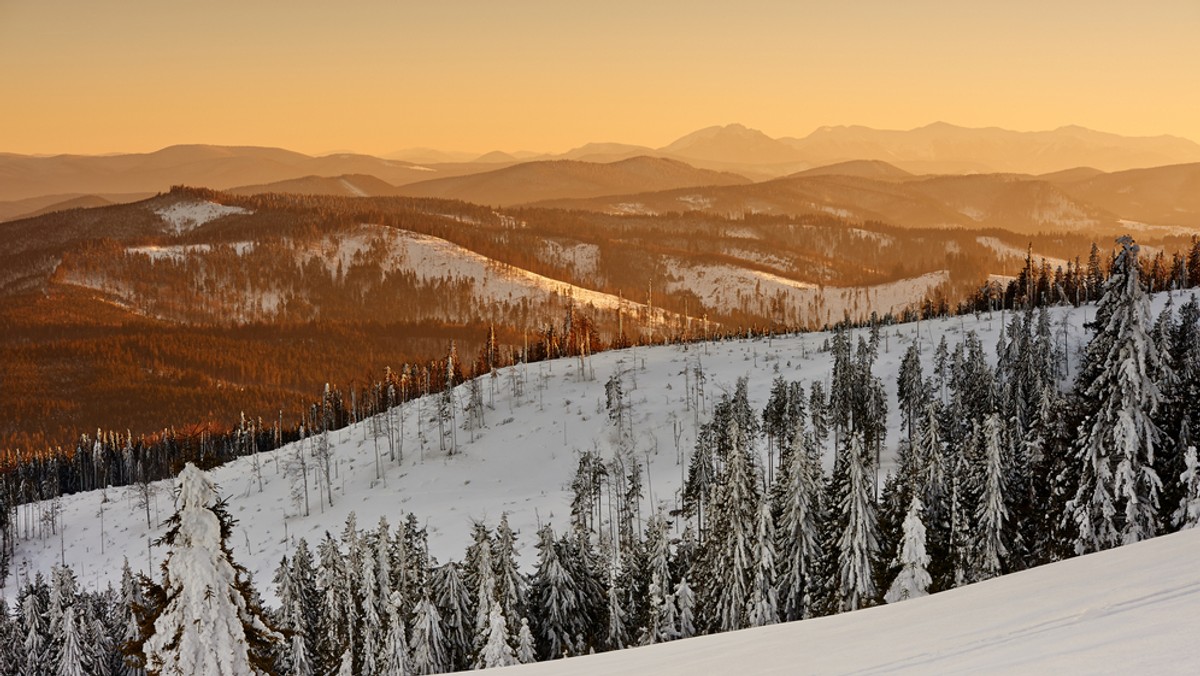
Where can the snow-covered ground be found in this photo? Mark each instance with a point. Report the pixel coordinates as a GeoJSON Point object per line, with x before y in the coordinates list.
{"type": "Point", "coordinates": [1132, 610]}
{"type": "Point", "coordinates": [189, 215]}
{"type": "Point", "coordinates": [730, 288]}
{"type": "Point", "coordinates": [1009, 251]}
{"type": "Point", "coordinates": [522, 461]}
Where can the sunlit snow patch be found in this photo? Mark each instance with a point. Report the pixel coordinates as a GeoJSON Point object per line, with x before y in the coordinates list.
{"type": "Point", "coordinates": [183, 217]}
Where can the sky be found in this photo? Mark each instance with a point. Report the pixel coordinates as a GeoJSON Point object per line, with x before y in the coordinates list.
{"type": "Point", "coordinates": [376, 76]}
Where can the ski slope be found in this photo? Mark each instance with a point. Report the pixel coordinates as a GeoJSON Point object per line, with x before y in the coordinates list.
{"type": "Point", "coordinates": [523, 459]}
{"type": "Point", "coordinates": [1132, 610]}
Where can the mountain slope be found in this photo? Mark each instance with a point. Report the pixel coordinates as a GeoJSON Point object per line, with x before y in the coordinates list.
{"type": "Point", "coordinates": [1159, 195]}
{"type": "Point", "coordinates": [558, 179]}
{"type": "Point", "coordinates": [1130, 610]}
{"type": "Point", "coordinates": [1010, 202]}
{"type": "Point", "coordinates": [520, 463]}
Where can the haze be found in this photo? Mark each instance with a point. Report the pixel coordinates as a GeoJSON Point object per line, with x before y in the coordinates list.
{"type": "Point", "coordinates": [375, 76]}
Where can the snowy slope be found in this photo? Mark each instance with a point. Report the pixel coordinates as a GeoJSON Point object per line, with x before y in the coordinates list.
{"type": "Point", "coordinates": [1133, 610]}
{"type": "Point", "coordinates": [521, 462]}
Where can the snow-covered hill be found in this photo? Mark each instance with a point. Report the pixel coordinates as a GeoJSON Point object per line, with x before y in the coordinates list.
{"type": "Point", "coordinates": [522, 460]}
{"type": "Point", "coordinates": [1132, 610]}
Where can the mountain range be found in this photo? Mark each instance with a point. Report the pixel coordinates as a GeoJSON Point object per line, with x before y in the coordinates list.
{"type": "Point", "coordinates": [934, 149]}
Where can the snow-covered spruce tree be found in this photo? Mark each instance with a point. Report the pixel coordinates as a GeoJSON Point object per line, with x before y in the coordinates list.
{"type": "Point", "coordinates": [798, 537]}
{"type": "Point", "coordinates": [304, 577]}
{"type": "Point", "coordinates": [526, 652]}
{"type": "Point", "coordinates": [615, 637]}
{"type": "Point", "coordinates": [913, 579]}
{"type": "Point", "coordinates": [857, 544]}
{"type": "Point", "coordinates": [72, 659]}
{"type": "Point", "coordinates": [63, 591]}
{"type": "Point", "coordinates": [428, 642]}
{"type": "Point", "coordinates": [511, 586]}
{"type": "Point", "coordinates": [293, 656]}
{"type": "Point", "coordinates": [1116, 500]}
{"type": "Point", "coordinates": [333, 633]}
{"type": "Point", "coordinates": [130, 598]}
{"type": "Point", "coordinates": [553, 600]}
{"type": "Point", "coordinates": [373, 600]}
{"type": "Point", "coordinates": [661, 625]}
{"type": "Point", "coordinates": [762, 607]}
{"type": "Point", "coordinates": [1188, 513]}
{"type": "Point", "coordinates": [727, 559]}
{"type": "Point", "coordinates": [685, 601]}
{"type": "Point", "coordinates": [1179, 414]}
{"type": "Point", "coordinates": [201, 620]}
{"type": "Point", "coordinates": [991, 512]}
{"type": "Point", "coordinates": [36, 641]}
{"type": "Point", "coordinates": [394, 656]}
{"type": "Point", "coordinates": [911, 391]}
{"type": "Point", "coordinates": [96, 614]}
{"type": "Point", "coordinates": [481, 582]}
{"type": "Point", "coordinates": [453, 602]}
{"type": "Point", "coordinates": [496, 651]}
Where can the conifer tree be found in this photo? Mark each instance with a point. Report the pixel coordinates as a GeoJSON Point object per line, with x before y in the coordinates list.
{"type": "Point", "coordinates": [615, 637]}
{"type": "Point", "coordinates": [913, 579]}
{"type": "Point", "coordinates": [496, 652]}
{"type": "Point", "coordinates": [685, 600]}
{"type": "Point", "coordinates": [394, 660]}
{"type": "Point", "coordinates": [798, 537]}
{"type": "Point", "coordinates": [36, 643]}
{"type": "Point", "coordinates": [428, 642]}
{"type": "Point", "coordinates": [453, 602]}
{"type": "Point", "coordinates": [991, 513]}
{"type": "Point", "coordinates": [728, 559]}
{"type": "Point", "coordinates": [762, 607]}
{"type": "Point", "coordinates": [202, 619]}
{"type": "Point", "coordinates": [511, 586]}
{"type": "Point", "coordinates": [526, 652]}
{"type": "Point", "coordinates": [333, 639]}
{"type": "Point", "coordinates": [553, 599]}
{"type": "Point", "coordinates": [71, 659]}
{"type": "Point", "coordinates": [1117, 496]}
{"type": "Point", "coordinates": [290, 620]}
{"type": "Point", "coordinates": [1188, 513]}
{"type": "Point", "coordinates": [857, 543]}
{"type": "Point", "coordinates": [662, 621]}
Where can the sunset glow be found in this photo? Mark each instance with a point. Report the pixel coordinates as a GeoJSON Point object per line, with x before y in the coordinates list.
{"type": "Point", "coordinates": [377, 76]}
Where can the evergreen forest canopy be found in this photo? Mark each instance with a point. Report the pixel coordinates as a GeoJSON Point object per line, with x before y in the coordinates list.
{"type": "Point", "coordinates": [999, 470]}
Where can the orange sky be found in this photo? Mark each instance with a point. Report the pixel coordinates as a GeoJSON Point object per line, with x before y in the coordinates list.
{"type": "Point", "coordinates": [379, 75]}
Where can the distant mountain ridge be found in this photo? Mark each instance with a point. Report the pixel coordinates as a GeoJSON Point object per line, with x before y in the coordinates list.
{"type": "Point", "coordinates": [1080, 201]}
{"type": "Point", "coordinates": [559, 179]}
{"type": "Point", "coordinates": [946, 148]}
{"type": "Point", "coordinates": [938, 148]}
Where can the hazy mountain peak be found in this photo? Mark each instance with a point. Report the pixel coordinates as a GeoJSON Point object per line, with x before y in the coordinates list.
{"type": "Point", "coordinates": [733, 144]}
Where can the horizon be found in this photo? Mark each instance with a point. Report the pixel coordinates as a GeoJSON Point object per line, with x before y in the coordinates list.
{"type": "Point", "coordinates": [378, 77]}
{"type": "Point", "coordinates": [549, 154]}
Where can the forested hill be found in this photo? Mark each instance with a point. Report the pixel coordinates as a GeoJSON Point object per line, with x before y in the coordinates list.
{"type": "Point", "coordinates": [183, 312]}
{"type": "Point", "coordinates": [645, 494]}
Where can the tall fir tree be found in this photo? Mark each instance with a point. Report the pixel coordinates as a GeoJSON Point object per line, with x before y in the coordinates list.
{"type": "Point", "coordinates": [857, 543]}
{"type": "Point", "coordinates": [1116, 499]}
{"type": "Point", "coordinates": [202, 619]}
